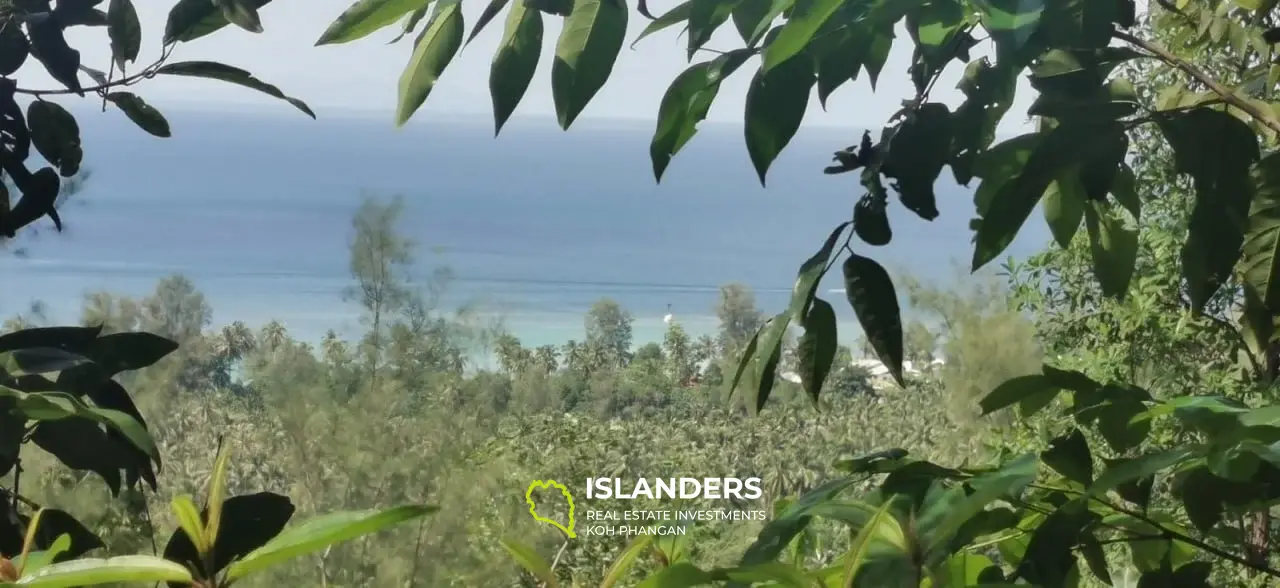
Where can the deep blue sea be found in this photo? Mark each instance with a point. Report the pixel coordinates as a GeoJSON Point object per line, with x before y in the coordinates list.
{"type": "Point", "coordinates": [536, 224]}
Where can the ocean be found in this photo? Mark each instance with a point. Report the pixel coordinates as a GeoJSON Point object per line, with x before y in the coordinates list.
{"type": "Point", "coordinates": [536, 224]}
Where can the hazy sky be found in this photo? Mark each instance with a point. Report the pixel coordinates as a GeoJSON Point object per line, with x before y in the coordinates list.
{"type": "Point", "coordinates": [363, 75]}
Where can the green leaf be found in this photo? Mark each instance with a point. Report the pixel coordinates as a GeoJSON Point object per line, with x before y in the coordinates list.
{"type": "Point", "coordinates": [964, 569]}
{"type": "Point", "coordinates": [1069, 455]}
{"type": "Point", "coordinates": [1201, 496]}
{"type": "Point", "coordinates": [233, 75]}
{"type": "Point", "coordinates": [184, 509]}
{"type": "Point", "coordinates": [936, 24]}
{"type": "Point", "coordinates": [803, 24]}
{"type": "Point", "coordinates": [744, 362]}
{"type": "Point", "coordinates": [705, 16]}
{"type": "Point", "coordinates": [321, 532]}
{"type": "Point", "coordinates": [810, 275]}
{"type": "Point", "coordinates": [1216, 149]}
{"type": "Point", "coordinates": [753, 18]}
{"type": "Point", "coordinates": [842, 62]}
{"type": "Point", "coordinates": [38, 560]}
{"type": "Point", "coordinates": [364, 18]}
{"type": "Point", "coordinates": [529, 559]}
{"type": "Point", "coordinates": [940, 520]}
{"type": "Point", "coordinates": [142, 114]}
{"type": "Point", "coordinates": [776, 574]}
{"type": "Point", "coordinates": [1015, 390]}
{"type": "Point", "coordinates": [125, 32]}
{"type": "Point", "coordinates": [585, 53]}
{"type": "Point", "coordinates": [776, 103]}
{"type": "Point", "coordinates": [686, 103]}
{"type": "Point", "coordinates": [882, 526]}
{"type": "Point", "coordinates": [681, 575]}
{"type": "Point", "coordinates": [191, 19]}
{"type": "Point", "coordinates": [1049, 559]}
{"type": "Point", "coordinates": [432, 52]}
{"type": "Point", "coordinates": [1064, 205]}
{"type": "Point", "coordinates": [816, 349]}
{"type": "Point", "coordinates": [1114, 247]}
{"type": "Point", "coordinates": [515, 61]}
{"type": "Point", "coordinates": [411, 22]}
{"type": "Point", "coordinates": [669, 18]}
{"type": "Point", "coordinates": [783, 527]}
{"type": "Point", "coordinates": [242, 13]}
{"type": "Point", "coordinates": [622, 564]}
{"type": "Point", "coordinates": [1095, 557]}
{"type": "Point", "coordinates": [1260, 261]}
{"type": "Point", "coordinates": [95, 572]}
{"type": "Point", "coordinates": [875, 302]}
{"type": "Point", "coordinates": [491, 12]}
{"type": "Point", "coordinates": [1060, 149]}
{"type": "Point", "coordinates": [764, 363]}
{"type": "Point", "coordinates": [1140, 467]}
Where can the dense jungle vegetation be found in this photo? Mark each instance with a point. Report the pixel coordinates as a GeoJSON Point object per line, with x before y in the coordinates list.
{"type": "Point", "coordinates": [1110, 419]}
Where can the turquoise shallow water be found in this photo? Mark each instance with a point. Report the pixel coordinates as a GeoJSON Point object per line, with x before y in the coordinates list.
{"type": "Point", "coordinates": [536, 224]}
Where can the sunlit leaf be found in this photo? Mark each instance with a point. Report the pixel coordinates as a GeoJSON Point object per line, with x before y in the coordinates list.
{"type": "Point", "coordinates": [585, 53]}
{"type": "Point", "coordinates": [366, 17]}
{"type": "Point", "coordinates": [434, 49]}
{"type": "Point", "coordinates": [515, 61]}
{"type": "Point", "coordinates": [321, 532]}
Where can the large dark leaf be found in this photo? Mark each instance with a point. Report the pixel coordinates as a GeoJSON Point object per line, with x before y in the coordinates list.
{"type": "Point", "coordinates": [686, 103]}
{"type": "Point", "coordinates": [433, 50]}
{"type": "Point", "coordinates": [248, 522]}
{"type": "Point", "coordinates": [875, 302]}
{"type": "Point", "coordinates": [587, 48]}
{"type": "Point", "coordinates": [81, 444]}
{"type": "Point", "coordinates": [1060, 149]}
{"type": "Point", "coordinates": [1114, 246]}
{"type": "Point", "coordinates": [515, 61]}
{"type": "Point", "coordinates": [1069, 455]}
{"type": "Point", "coordinates": [122, 352]}
{"type": "Point", "coordinates": [73, 339]}
{"type": "Point", "coordinates": [125, 31]}
{"type": "Point", "coordinates": [56, 135]}
{"type": "Point", "coordinates": [49, 46]}
{"type": "Point", "coordinates": [1049, 559]}
{"type": "Point", "coordinates": [816, 349]}
{"type": "Point", "coordinates": [54, 523]}
{"type": "Point", "coordinates": [776, 103]}
{"type": "Point", "coordinates": [14, 49]}
{"type": "Point", "coordinates": [1216, 149]}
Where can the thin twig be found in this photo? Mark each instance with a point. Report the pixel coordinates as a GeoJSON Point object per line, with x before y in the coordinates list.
{"type": "Point", "coordinates": [1227, 95]}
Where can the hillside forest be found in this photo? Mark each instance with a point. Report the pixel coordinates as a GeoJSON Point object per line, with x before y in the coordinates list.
{"type": "Point", "coordinates": [1104, 415]}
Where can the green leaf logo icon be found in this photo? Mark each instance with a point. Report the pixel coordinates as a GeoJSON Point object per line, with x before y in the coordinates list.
{"type": "Point", "coordinates": [533, 510]}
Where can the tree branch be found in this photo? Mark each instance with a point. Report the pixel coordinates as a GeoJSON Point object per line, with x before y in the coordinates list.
{"type": "Point", "coordinates": [1227, 95]}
